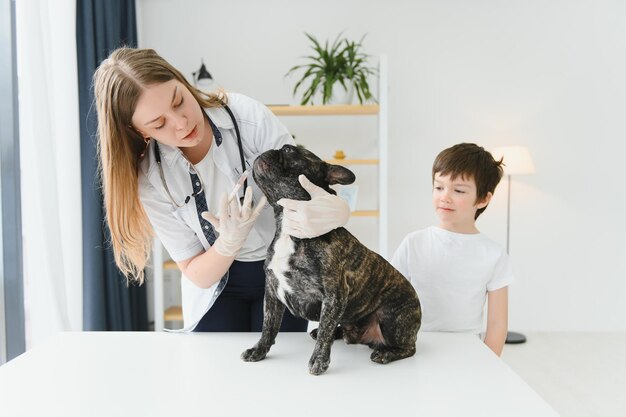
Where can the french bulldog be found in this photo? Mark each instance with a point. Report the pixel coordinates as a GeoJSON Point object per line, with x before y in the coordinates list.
{"type": "Point", "coordinates": [352, 291]}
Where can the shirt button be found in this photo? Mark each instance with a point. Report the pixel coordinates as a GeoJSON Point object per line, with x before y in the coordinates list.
{"type": "Point", "coordinates": [206, 226]}
{"type": "Point", "coordinates": [197, 183]}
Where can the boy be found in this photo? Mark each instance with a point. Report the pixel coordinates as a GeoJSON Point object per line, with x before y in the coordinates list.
{"type": "Point", "coordinates": [454, 267]}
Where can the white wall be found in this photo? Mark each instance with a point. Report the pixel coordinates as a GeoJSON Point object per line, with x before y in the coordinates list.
{"type": "Point", "coordinates": [549, 75]}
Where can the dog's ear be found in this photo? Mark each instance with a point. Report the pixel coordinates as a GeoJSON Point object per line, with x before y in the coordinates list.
{"type": "Point", "coordinates": [339, 175]}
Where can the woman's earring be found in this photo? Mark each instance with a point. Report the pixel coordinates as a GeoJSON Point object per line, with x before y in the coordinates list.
{"type": "Point", "coordinates": [147, 142]}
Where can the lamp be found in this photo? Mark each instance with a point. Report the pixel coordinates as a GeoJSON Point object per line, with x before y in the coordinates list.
{"type": "Point", "coordinates": [202, 78]}
{"type": "Point", "coordinates": [517, 161]}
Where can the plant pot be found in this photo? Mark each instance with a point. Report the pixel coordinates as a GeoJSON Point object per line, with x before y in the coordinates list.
{"type": "Point", "coordinates": [340, 95]}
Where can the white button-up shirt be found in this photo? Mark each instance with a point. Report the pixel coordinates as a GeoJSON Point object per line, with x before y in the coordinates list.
{"type": "Point", "coordinates": [179, 229]}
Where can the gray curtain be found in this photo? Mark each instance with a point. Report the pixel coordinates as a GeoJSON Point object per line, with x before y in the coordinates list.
{"type": "Point", "coordinates": [109, 304]}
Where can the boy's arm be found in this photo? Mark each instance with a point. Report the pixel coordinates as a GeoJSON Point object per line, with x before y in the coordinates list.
{"type": "Point", "coordinates": [497, 319]}
{"type": "Point", "coordinates": [400, 259]}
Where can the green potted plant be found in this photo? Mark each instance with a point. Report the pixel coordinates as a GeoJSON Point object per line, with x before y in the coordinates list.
{"type": "Point", "coordinates": [342, 64]}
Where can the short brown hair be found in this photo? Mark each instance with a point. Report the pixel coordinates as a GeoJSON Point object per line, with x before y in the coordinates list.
{"type": "Point", "coordinates": [470, 161]}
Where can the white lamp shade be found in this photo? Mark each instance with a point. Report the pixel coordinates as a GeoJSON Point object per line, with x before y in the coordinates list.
{"type": "Point", "coordinates": [206, 84]}
{"type": "Point", "coordinates": [517, 160]}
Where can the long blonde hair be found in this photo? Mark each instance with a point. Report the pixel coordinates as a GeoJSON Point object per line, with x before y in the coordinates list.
{"type": "Point", "coordinates": [118, 83]}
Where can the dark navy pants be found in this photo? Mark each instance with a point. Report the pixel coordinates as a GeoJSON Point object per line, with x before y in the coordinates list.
{"type": "Point", "coordinates": [239, 308]}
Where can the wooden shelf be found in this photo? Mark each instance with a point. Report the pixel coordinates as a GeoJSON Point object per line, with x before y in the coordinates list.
{"type": "Point", "coordinates": [170, 265]}
{"type": "Point", "coordinates": [352, 161]}
{"type": "Point", "coordinates": [326, 110]}
{"type": "Point", "coordinates": [174, 313]}
{"type": "Point", "coordinates": [365, 213]}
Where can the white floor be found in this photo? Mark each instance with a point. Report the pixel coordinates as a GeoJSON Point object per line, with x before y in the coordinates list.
{"type": "Point", "coordinates": [578, 374]}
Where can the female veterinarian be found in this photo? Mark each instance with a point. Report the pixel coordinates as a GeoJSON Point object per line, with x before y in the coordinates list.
{"type": "Point", "coordinates": [170, 155]}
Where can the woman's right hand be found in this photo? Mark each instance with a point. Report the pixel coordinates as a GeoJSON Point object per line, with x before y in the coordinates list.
{"type": "Point", "coordinates": [234, 222]}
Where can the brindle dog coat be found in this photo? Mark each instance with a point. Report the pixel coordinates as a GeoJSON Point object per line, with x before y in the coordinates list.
{"type": "Point", "coordinates": [333, 278]}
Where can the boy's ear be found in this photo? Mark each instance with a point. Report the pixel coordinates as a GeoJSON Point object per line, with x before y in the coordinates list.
{"type": "Point", "coordinates": [485, 201]}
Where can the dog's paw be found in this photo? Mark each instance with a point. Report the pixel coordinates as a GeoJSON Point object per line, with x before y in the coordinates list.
{"type": "Point", "coordinates": [382, 356]}
{"type": "Point", "coordinates": [253, 354]}
{"type": "Point", "coordinates": [385, 354]}
{"type": "Point", "coordinates": [318, 365]}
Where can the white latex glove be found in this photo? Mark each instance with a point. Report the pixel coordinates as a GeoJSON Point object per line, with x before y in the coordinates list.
{"type": "Point", "coordinates": [315, 217]}
{"type": "Point", "coordinates": [234, 222]}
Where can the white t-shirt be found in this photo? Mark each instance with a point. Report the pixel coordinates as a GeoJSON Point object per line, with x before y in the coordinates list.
{"type": "Point", "coordinates": [452, 273]}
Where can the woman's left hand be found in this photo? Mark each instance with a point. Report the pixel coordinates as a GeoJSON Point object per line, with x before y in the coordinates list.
{"type": "Point", "coordinates": [315, 217]}
{"type": "Point", "coordinates": [234, 222]}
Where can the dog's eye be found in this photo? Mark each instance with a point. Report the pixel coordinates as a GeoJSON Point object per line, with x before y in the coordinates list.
{"type": "Point", "coordinates": [287, 149]}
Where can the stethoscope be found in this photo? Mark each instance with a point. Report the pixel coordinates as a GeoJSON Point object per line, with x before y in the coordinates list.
{"type": "Point", "coordinates": [157, 156]}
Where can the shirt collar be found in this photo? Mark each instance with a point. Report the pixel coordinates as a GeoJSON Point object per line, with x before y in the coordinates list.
{"type": "Point", "coordinates": [220, 117]}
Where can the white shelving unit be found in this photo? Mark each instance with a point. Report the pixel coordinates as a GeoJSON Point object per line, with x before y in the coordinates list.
{"type": "Point", "coordinates": [157, 266]}
{"type": "Point", "coordinates": [160, 266]}
{"type": "Point", "coordinates": [383, 152]}
{"type": "Point", "coordinates": [379, 110]}
{"type": "Point", "coordinates": [174, 313]}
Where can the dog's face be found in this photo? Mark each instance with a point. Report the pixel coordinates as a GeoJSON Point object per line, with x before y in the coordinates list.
{"type": "Point", "coordinates": [276, 172]}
